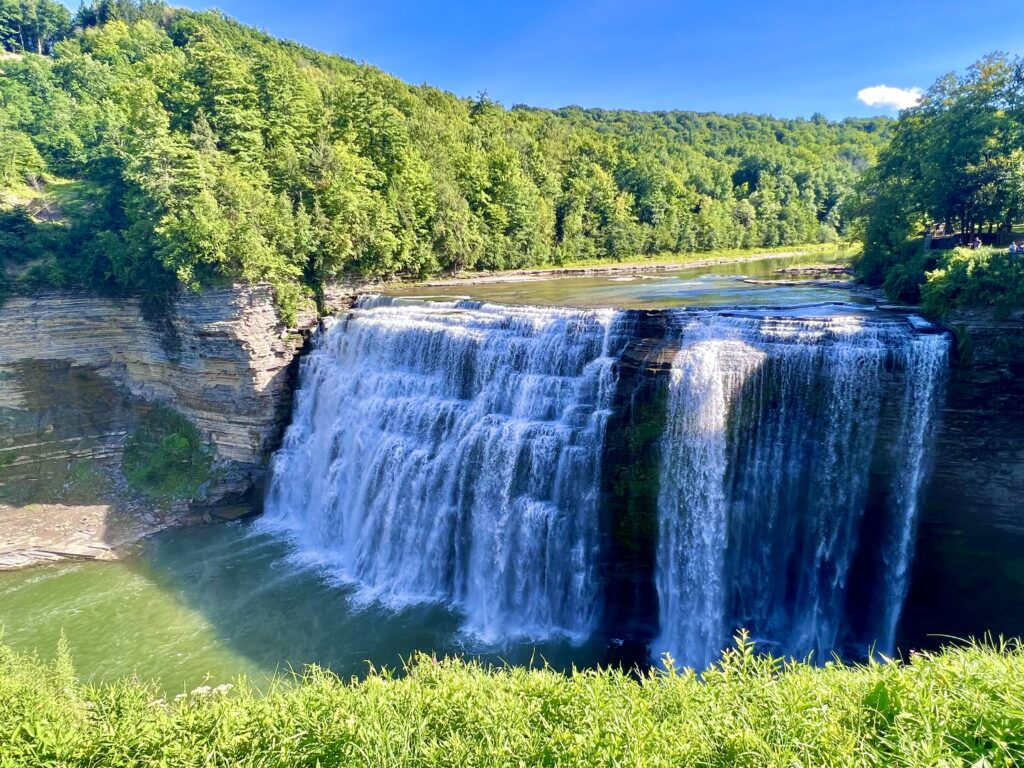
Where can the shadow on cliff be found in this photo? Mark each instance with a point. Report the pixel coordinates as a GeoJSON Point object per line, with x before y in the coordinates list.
{"type": "Point", "coordinates": [968, 575]}
{"type": "Point", "coordinates": [60, 426]}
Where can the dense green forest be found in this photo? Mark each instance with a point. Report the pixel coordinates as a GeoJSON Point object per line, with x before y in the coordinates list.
{"type": "Point", "coordinates": [955, 166]}
{"type": "Point", "coordinates": [144, 148]}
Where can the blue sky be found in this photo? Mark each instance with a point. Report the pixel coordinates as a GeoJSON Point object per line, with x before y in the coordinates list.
{"type": "Point", "coordinates": [786, 59]}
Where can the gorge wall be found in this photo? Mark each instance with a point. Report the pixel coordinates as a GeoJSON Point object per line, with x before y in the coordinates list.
{"type": "Point", "coordinates": [77, 371]}
{"type": "Point", "coordinates": [969, 571]}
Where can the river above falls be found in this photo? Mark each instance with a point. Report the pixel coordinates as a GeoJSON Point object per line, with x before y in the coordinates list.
{"type": "Point", "coordinates": [764, 282]}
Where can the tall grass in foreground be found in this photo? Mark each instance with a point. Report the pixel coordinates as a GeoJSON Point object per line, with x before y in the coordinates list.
{"type": "Point", "coordinates": [961, 707]}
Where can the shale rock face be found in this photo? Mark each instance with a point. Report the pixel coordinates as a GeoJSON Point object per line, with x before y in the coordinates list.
{"type": "Point", "coordinates": [969, 568]}
{"type": "Point", "coordinates": [76, 371]}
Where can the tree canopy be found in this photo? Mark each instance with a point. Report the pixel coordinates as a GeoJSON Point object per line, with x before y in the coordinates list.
{"type": "Point", "coordinates": [956, 165]}
{"type": "Point", "coordinates": [204, 150]}
{"type": "Point", "coordinates": [32, 25]}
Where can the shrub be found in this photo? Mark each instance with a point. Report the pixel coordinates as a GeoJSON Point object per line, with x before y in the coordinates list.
{"type": "Point", "coordinates": [875, 262]}
{"type": "Point", "coordinates": [986, 277]}
{"type": "Point", "coordinates": [166, 457]}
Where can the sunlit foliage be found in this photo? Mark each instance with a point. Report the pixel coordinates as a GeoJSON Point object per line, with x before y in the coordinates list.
{"type": "Point", "coordinates": [963, 707]}
{"type": "Point", "coordinates": [212, 151]}
{"type": "Point", "coordinates": [956, 165]}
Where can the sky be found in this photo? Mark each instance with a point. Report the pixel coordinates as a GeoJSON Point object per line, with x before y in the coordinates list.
{"type": "Point", "coordinates": [786, 59]}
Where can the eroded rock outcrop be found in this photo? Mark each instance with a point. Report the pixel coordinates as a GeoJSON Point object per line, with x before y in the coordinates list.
{"type": "Point", "coordinates": [77, 370]}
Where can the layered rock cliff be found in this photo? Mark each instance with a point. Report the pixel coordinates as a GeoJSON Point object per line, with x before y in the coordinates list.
{"type": "Point", "coordinates": [76, 372]}
{"type": "Point", "coordinates": [970, 551]}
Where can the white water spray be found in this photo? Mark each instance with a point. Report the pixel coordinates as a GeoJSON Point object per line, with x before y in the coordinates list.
{"type": "Point", "coordinates": [773, 428]}
{"type": "Point", "coordinates": [452, 452]}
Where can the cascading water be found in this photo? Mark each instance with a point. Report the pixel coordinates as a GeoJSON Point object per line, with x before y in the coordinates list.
{"type": "Point", "coordinates": [452, 451]}
{"type": "Point", "coordinates": [776, 432]}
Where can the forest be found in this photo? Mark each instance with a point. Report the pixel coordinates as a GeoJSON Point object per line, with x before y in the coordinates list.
{"type": "Point", "coordinates": [145, 149]}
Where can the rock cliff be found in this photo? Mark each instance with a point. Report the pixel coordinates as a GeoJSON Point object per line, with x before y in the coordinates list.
{"type": "Point", "coordinates": [77, 370]}
{"type": "Point", "coordinates": [970, 551]}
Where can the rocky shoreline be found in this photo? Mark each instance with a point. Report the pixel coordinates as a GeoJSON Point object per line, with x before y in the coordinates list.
{"type": "Point", "coordinates": [36, 534]}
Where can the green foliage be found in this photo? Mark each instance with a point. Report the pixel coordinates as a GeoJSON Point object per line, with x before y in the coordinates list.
{"type": "Point", "coordinates": [27, 251]}
{"type": "Point", "coordinates": [18, 158]}
{"type": "Point", "coordinates": [904, 278]}
{"type": "Point", "coordinates": [166, 456]}
{"type": "Point", "coordinates": [986, 277]}
{"type": "Point", "coordinates": [956, 160]}
{"type": "Point", "coordinates": [33, 25]}
{"type": "Point", "coordinates": [903, 282]}
{"type": "Point", "coordinates": [962, 707]}
{"type": "Point", "coordinates": [214, 152]}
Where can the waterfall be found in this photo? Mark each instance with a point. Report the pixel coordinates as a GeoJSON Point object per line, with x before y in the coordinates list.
{"type": "Point", "coordinates": [776, 432]}
{"type": "Point", "coordinates": [452, 451]}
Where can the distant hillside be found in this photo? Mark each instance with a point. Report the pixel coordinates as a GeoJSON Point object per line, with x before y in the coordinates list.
{"type": "Point", "coordinates": [151, 147]}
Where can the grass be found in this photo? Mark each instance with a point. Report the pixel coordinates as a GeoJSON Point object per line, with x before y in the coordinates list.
{"type": "Point", "coordinates": [961, 707]}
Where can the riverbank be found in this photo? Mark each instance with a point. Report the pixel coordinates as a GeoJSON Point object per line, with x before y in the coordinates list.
{"type": "Point", "coordinates": [964, 706]}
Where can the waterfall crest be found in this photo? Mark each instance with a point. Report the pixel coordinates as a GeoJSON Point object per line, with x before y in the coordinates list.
{"type": "Point", "coordinates": [776, 429]}
{"type": "Point", "coordinates": [452, 451]}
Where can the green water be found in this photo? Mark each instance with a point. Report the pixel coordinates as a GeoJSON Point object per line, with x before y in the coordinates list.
{"type": "Point", "coordinates": [209, 603]}
{"type": "Point", "coordinates": [718, 285]}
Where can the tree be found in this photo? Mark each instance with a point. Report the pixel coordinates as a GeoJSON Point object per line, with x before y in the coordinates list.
{"type": "Point", "coordinates": [33, 25]}
{"type": "Point", "coordinates": [955, 162]}
{"type": "Point", "coordinates": [211, 151]}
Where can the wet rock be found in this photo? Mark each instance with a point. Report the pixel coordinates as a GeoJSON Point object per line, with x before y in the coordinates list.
{"type": "Point", "coordinates": [969, 568]}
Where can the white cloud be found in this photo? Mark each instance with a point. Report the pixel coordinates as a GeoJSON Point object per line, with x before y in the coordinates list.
{"type": "Point", "coordinates": [890, 97]}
